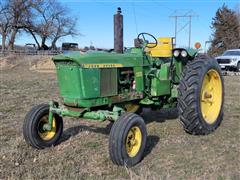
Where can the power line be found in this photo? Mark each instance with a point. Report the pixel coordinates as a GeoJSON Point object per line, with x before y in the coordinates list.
{"type": "Point", "coordinates": [183, 27]}
{"type": "Point", "coordinates": [162, 4]}
{"type": "Point", "coordinates": [135, 17]}
{"type": "Point", "coordinates": [190, 14]}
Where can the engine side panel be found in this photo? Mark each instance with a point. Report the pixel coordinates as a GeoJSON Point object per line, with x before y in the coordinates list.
{"type": "Point", "coordinates": [160, 84]}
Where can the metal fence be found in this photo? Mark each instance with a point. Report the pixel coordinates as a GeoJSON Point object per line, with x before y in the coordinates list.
{"type": "Point", "coordinates": [29, 52]}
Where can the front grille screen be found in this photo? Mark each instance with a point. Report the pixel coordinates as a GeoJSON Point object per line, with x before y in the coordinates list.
{"type": "Point", "coordinates": [108, 80]}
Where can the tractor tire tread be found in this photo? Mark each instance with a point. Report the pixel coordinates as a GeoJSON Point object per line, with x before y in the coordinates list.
{"type": "Point", "coordinates": [115, 138]}
{"type": "Point", "coordinates": [187, 100]}
{"type": "Point", "coordinates": [29, 125]}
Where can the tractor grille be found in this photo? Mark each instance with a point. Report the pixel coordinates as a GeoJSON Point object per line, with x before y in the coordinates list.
{"type": "Point", "coordinates": [108, 81]}
{"type": "Point", "coordinates": [223, 61]}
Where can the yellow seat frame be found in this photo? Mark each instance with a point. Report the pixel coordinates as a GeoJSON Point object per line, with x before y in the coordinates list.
{"type": "Point", "coordinates": [163, 49]}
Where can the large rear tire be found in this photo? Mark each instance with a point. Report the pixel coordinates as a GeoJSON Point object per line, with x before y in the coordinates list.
{"type": "Point", "coordinates": [201, 96]}
{"type": "Point", "coordinates": [127, 140]}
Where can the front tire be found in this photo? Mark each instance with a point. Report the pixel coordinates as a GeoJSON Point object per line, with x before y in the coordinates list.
{"type": "Point", "coordinates": [33, 131]}
{"type": "Point", "coordinates": [127, 140]}
{"type": "Point", "coordinates": [201, 96]}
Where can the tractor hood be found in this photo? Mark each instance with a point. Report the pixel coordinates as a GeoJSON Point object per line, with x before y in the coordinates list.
{"type": "Point", "coordinates": [98, 59]}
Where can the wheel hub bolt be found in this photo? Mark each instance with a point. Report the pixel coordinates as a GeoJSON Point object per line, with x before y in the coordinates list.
{"type": "Point", "coordinates": [207, 95]}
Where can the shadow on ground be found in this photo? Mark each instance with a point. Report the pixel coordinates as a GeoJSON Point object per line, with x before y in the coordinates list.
{"type": "Point", "coordinates": [161, 115]}
{"type": "Point", "coordinates": [152, 141]}
{"type": "Point", "coordinates": [73, 131]}
{"type": "Point", "coordinates": [147, 114]}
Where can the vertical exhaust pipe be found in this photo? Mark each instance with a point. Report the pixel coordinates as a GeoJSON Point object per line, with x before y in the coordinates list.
{"type": "Point", "coordinates": [118, 31]}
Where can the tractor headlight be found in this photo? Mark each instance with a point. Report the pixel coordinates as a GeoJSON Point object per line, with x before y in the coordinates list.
{"type": "Point", "coordinates": [176, 53]}
{"type": "Point", "coordinates": [184, 53]}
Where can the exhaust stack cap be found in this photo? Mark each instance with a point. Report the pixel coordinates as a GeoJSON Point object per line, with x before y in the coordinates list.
{"type": "Point", "coordinates": [119, 10]}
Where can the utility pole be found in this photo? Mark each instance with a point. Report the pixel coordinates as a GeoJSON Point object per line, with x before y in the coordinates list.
{"type": "Point", "coordinates": [190, 31]}
{"type": "Point", "coordinates": [189, 15]}
{"type": "Point", "coordinates": [176, 30]}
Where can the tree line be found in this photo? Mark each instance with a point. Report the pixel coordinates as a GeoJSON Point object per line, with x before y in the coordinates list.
{"type": "Point", "coordinates": [44, 20]}
{"type": "Point", "coordinates": [226, 30]}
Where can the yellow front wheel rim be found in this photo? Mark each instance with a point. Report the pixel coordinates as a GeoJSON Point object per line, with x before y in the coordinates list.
{"type": "Point", "coordinates": [133, 141]}
{"type": "Point", "coordinates": [211, 96]}
{"type": "Point", "coordinates": [45, 134]}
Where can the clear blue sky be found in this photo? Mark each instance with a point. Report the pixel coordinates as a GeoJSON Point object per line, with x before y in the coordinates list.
{"type": "Point", "coordinates": [95, 20]}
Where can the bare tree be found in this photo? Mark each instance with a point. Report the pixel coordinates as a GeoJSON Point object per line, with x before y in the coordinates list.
{"type": "Point", "coordinates": [50, 21]}
{"type": "Point", "coordinates": [64, 26]}
{"type": "Point", "coordinates": [43, 25]}
{"type": "Point", "coordinates": [5, 23]}
{"type": "Point", "coordinates": [43, 19]}
{"type": "Point", "coordinates": [19, 11]}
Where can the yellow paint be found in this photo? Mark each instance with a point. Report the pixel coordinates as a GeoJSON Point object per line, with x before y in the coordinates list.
{"type": "Point", "coordinates": [211, 96]}
{"type": "Point", "coordinates": [101, 65]}
{"type": "Point", "coordinates": [46, 135]}
{"type": "Point", "coordinates": [163, 49]}
{"type": "Point", "coordinates": [133, 141]}
{"type": "Point", "coordinates": [131, 107]}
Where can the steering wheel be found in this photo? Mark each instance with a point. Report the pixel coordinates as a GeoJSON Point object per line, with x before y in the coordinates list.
{"type": "Point", "coordinates": [145, 42]}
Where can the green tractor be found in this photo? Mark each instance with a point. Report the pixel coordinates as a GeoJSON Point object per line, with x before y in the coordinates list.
{"type": "Point", "coordinates": [116, 86]}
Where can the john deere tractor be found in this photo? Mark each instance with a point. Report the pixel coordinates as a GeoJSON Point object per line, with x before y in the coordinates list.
{"type": "Point", "coordinates": [115, 86]}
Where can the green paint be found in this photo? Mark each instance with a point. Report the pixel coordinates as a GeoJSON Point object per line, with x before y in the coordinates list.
{"type": "Point", "coordinates": [78, 83]}
{"type": "Point", "coordinates": [85, 113]}
{"type": "Point", "coordinates": [101, 115]}
{"type": "Point", "coordinates": [93, 80]}
{"type": "Point", "coordinates": [177, 71]}
{"type": "Point", "coordinates": [48, 126]}
{"type": "Point", "coordinates": [160, 87]}
{"type": "Point", "coordinates": [62, 111]}
{"type": "Point", "coordinates": [131, 59]}
{"type": "Point", "coordinates": [163, 73]}
{"type": "Point", "coordinates": [160, 84]}
{"type": "Point", "coordinates": [146, 101]}
{"type": "Point", "coordinates": [102, 100]}
{"type": "Point", "coordinates": [174, 92]}
{"type": "Point", "coordinates": [192, 52]}
{"type": "Point", "coordinates": [139, 78]}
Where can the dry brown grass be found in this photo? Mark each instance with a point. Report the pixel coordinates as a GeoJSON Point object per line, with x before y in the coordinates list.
{"type": "Point", "coordinates": [83, 152]}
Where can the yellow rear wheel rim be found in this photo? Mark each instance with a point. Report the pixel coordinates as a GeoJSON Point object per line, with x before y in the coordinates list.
{"type": "Point", "coordinates": [211, 96]}
{"type": "Point", "coordinates": [133, 141]}
{"type": "Point", "coordinates": [44, 134]}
